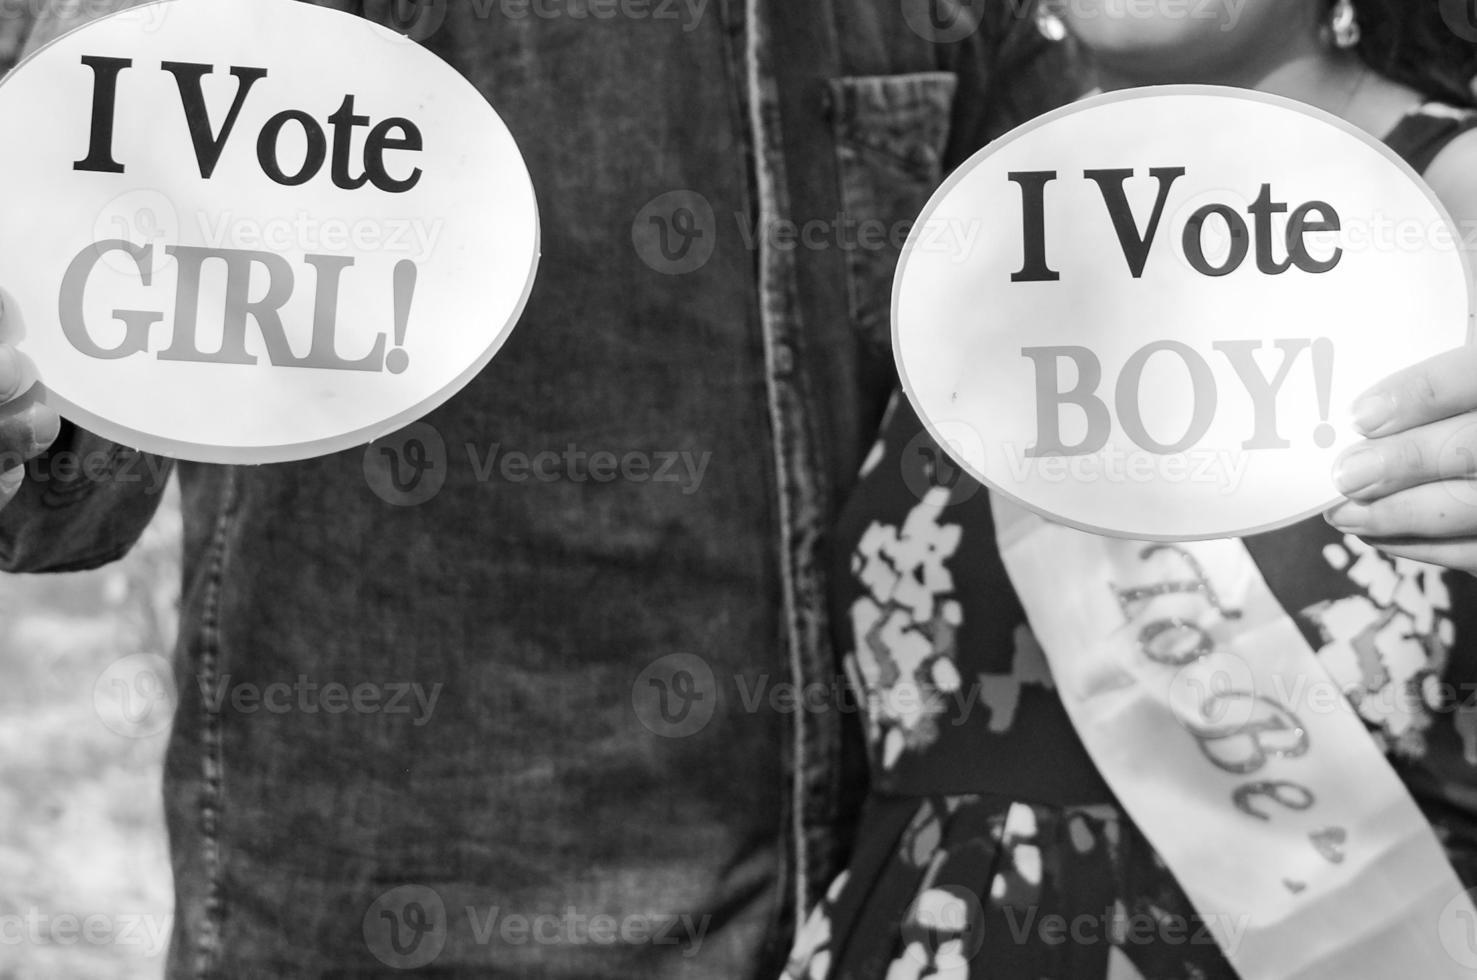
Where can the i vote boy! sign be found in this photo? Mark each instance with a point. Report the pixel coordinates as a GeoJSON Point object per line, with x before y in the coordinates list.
{"type": "Point", "coordinates": [253, 232]}
{"type": "Point", "coordinates": [1180, 292]}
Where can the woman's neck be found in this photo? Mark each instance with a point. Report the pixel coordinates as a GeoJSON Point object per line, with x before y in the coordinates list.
{"type": "Point", "coordinates": [1249, 65]}
{"type": "Point", "coordinates": [1335, 81]}
{"type": "Point", "coordinates": [1329, 80]}
{"type": "Point", "coordinates": [1342, 84]}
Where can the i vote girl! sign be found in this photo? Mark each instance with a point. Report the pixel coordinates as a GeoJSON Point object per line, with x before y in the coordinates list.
{"type": "Point", "coordinates": [1175, 297]}
{"type": "Point", "coordinates": [254, 232]}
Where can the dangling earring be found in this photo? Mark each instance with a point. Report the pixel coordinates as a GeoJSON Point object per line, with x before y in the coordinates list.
{"type": "Point", "coordinates": [1344, 25]}
{"type": "Point", "coordinates": [1049, 24]}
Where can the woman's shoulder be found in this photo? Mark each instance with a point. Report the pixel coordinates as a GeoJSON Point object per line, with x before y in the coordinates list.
{"type": "Point", "coordinates": [1453, 173]}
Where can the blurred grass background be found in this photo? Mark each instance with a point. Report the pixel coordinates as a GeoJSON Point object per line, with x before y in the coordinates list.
{"type": "Point", "coordinates": [81, 817]}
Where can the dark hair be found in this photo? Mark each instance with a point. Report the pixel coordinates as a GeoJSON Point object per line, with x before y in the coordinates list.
{"type": "Point", "coordinates": [1410, 42]}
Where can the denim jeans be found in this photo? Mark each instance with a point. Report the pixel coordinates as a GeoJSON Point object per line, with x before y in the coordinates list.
{"type": "Point", "coordinates": [578, 751]}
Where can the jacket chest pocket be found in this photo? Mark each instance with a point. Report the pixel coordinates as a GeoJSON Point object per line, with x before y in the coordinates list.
{"type": "Point", "coordinates": [890, 135]}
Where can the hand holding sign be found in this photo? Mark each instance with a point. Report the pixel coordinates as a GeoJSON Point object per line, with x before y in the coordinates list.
{"type": "Point", "coordinates": [27, 427]}
{"type": "Point", "coordinates": [1184, 290]}
{"type": "Point", "coordinates": [1413, 486]}
{"type": "Point", "coordinates": [338, 231]}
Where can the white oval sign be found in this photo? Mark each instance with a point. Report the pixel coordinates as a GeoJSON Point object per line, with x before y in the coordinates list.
{"type": "Point", "coordinates": [255, 232]}
{"type": "Point", "coordinates": [1155, 308]}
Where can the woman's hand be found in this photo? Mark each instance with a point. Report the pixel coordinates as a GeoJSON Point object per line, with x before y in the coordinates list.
{"type": "Point", "coordinates": [1412, 485]}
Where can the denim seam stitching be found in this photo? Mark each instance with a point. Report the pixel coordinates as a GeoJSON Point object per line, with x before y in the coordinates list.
{"type": "Point", "coordinates": [765, 183]}
{"type": "Point", "coordinates": [207, 944]}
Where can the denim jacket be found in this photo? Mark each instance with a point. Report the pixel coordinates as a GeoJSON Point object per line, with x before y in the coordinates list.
{"type": "Point", "coordinates": [614, 693]}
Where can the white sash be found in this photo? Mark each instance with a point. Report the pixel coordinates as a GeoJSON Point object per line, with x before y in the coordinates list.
{"type": "Point", "coordinates": [1238, 757]}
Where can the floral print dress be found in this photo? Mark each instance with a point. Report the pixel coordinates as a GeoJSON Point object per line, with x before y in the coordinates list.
{"type": "Point", "coordinates": [990, 847]}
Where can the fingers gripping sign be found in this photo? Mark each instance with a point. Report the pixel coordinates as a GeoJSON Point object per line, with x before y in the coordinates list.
{"type": "Point", "coordinates": [1412, 483]}
{"type": "Point", "coordinates": [27, 426]}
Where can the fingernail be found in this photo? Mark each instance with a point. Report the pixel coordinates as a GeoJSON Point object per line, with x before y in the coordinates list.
{"type": "Point", "coordinates": [1349, 516]}
{"type": "Point", "coordinates": [1373, 412]}
{"type": "Point", "coordinates": [11, 479]}
{"type": "Point", "coordinates": [1358, 471]}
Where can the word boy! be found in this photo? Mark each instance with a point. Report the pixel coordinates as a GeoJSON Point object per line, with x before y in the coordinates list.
{"type": "Point", "coordinates": [1253, 237]}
